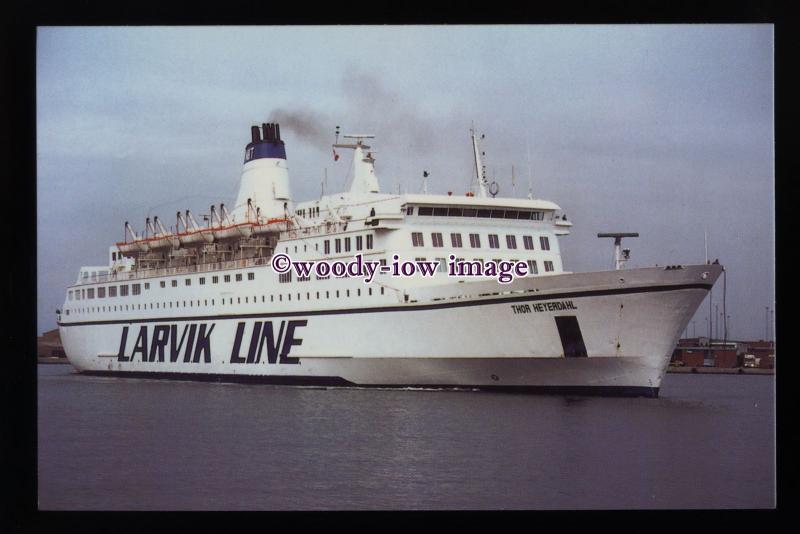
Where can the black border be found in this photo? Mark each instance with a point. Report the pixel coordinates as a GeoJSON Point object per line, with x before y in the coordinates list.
{"type": "Point", "coordinates": [19, 512]}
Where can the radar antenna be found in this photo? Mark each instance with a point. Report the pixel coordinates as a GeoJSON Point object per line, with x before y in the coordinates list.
{"type": "Point", "coordinates": [619, 259]}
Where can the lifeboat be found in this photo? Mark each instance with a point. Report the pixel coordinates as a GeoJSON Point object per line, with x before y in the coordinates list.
{"type": "Point", "coordinates": [160, 241]}
{"type": "Point", "coordinates": [233, 231]}
{"type": "Point", "coordinates": [136, 245]}
{"type": "Point", "coordinates": [193, 234]}
{"type": "Point", "coordinates": [197, 237]}
{"type": "Point", "coordinates": [162, 238]}
{"type": "Point", "coordinates": [133, 247]}
{"type": "Point", "coordinates": [271, 226]}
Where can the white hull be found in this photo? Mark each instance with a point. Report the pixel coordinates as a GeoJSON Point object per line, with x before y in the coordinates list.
{"type": "Point", "coordinates": [473, 334]}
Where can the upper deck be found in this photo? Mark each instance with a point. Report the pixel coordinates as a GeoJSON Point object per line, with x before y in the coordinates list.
{"type": "Point", "coordinates": [411, 225]}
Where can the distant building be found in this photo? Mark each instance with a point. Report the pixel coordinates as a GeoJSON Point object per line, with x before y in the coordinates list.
{"type": "Point", "coordinates": [48, 345]}
{"type": "Point", "coordinates": [705, 352]}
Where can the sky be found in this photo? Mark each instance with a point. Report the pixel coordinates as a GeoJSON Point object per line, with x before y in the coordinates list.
{"type": "Point", "coordinates": [665, 130]}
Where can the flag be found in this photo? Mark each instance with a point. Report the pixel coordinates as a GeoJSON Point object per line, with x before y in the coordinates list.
{"type": "Point", "coordinates": [335, 155]}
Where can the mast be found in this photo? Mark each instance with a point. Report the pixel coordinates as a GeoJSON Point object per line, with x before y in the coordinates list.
{"type": "Point", "coordinates": [482, 182]}
{"type": "Point", "coordinates": [530, 180]}
{"type": "Point", "coordinates": [364, 179]}
{"type": "Point", "coordinates": [619, 259]}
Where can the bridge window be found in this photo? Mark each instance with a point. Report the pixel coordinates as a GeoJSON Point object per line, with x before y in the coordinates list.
{"type": "Point", "coordinates": [548, 266]}
{"type": "Point", "coordinates": [338, 243]}
{"type": "Point", "coordinates": [455, 240]}
{"type": "Point", "coordinates": [494, 241]}
{"type": "Point", "coordinates": [69, 295]}
{"type": "Point", "coordinates": [215, 279]}
{"type": "Point", "coordinates": [227, 278]}
{"type": "Point", "coordinates": [187, 281]}
{"type": "Point", "coordinates": [238, 277]}
{"type": "Point", "coordinates": [162, 283]}
{"type": "Point", "coordinates": [544, 241]}
{"type": "Point", "coordinates": [475, 240]}
{"type": "Point", "coordinates": [511, 241]}
{"type": "Point", "coordinates": [327, 246]}
{"type": "Point", "coordinates": [202, 281]}
{"type": "Point", "coordinates": [347, 244]}
{"type": "Point", "coordinates": [251, 276]}
{"type": "Point", "coordinates": [112, 291]}
{"type": "Point", "coordinates": [123, 291]}
{"type": "Point", "coordinates": [369, 241]}
{"type": "Point", "coordinates": [90, 293]}
{"type": "Point", "coordinates": [436, 237]}
{"type": "Point", "coordinates": [174, 283]}
{"type": "Point", "coordinates": [416, 239]}
{"type": "Point", "coordinates": [359, 242]}
{"type": "Point", "coordinates": [410, 210]}
{"type": "Point", "coordinates": [532, 267]}
{"type": "Point", "coordinates": [527, 241]}
{"type": "Point", "coordinates": [137, 289]}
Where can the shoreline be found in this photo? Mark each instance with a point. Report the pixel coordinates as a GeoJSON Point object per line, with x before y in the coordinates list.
{"type": "Point", "coordinates": [720, 370]}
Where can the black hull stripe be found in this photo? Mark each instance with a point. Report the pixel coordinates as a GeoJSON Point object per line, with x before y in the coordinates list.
{"type": "Point", "coordinates": [336, 381]}
{"type": "Point", "coordinates": [403, 307]}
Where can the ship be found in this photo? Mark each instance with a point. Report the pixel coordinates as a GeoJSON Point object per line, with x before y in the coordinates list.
{"type": "Point", "coordinates": [204, 301]}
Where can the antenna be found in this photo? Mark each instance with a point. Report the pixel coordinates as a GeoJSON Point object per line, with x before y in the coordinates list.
{"type": "Point", "coordinates": [513, 183]}
{"type": "Point", "coordinates": [479, 168]}
{"type": "Point", "coordinates": [619, 260]}
{"type": "Point", "coordinates": [705, 241]}
{"type": "Point", "coordinates": [530, 180]}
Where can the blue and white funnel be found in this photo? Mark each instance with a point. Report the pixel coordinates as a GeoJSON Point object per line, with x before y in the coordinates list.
{"type": "Point", "coordinates": [265, 176]}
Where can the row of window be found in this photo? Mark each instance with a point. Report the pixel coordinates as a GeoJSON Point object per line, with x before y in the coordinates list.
{"type": "Point", "coordinates": [95, 275]}
{"type": "Point", "coordinates": [308, 212]}
{"type": "Point", "coordinates": [136, 289]}
{"type": "Point", "coordinates": [196, 303]}
{"type": "Point", "coordinates": [346, 241]}
{"type": "Point", "coordinates": [525, 215]}
{"type": "Point", "coordinates": [418, 240]}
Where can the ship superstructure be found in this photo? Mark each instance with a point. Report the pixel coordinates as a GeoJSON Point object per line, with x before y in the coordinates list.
{"type": "Point", "coordinates": [202, 300]}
